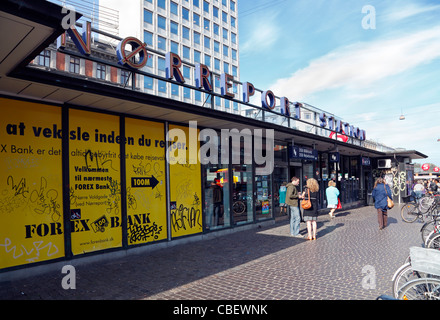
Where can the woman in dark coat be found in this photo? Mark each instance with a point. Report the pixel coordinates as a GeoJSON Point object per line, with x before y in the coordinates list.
{"type": "Point", "coordinates": [311, 215]}
{"type": "Point", "coordinates": [380, 193]}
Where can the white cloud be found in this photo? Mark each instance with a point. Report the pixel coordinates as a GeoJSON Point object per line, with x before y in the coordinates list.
{"type": "Point", "coordinates": [362, 64]}
{"type": "Point", "coordinates": [410, 11]}
{"type": "Point", "coordinates": [264, 34]}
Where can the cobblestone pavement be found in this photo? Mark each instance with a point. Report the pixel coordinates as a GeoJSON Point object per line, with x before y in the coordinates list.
{"type": "Point", "coordinates": [261, 263]}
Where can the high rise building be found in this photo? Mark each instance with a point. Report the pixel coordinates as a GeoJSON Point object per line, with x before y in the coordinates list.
{"type": "Point", "coordinates": [199, 31]}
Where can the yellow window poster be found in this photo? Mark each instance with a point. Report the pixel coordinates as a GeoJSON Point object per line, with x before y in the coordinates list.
{"type": "Point", "coordinates": [146, 181]}
{"type": "Point", "coordinates": [185, 181]}
{"type": "Point", "coordinates": [31, 202]}
{"type": "Point", "coordinates": [95, 188]}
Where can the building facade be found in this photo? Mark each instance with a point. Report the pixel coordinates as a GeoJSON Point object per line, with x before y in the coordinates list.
{"type": "Point", "coordinates": [93, 163]}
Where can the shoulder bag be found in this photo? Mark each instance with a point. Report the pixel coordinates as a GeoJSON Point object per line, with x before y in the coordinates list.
{"type": "Point", "coordinates": [390, 203]}
{"type": "Point", "coordinates": [307, 204]}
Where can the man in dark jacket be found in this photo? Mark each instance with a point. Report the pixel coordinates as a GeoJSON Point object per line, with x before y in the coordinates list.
{"type": "Point", "coordinates": [217, 199]}
{"type": "Point", "coordinates": [292, 200]}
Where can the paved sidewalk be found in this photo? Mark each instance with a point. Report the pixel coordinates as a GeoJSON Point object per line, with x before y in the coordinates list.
{"type": "Point", "coordinates": [262, 263]}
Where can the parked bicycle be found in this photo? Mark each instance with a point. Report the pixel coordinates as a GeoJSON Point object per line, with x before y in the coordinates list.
{"type": "Point", "coordinates": [424, 208]}
{"type": "Point", "coordinates": [419, 277]}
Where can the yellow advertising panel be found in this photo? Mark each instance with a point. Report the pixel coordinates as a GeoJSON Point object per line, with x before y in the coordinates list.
{"type": "Point", "coordinates": [31, 201]}
{"type": "Point", "coordinates": [146, 181]}
{"type": "Point", "coordinates": [95, 188]}
{"type": "Point", "coordinates": [185, 182]}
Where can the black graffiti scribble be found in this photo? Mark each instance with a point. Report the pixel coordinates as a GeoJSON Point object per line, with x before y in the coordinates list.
{"type": "Point", "coordinates": [45, 199]}
{"type": "Point", "coordinates": [185, 218]}
{"type": "Point", "coordinates": [19, 188]}
{"type": "Point", "coordinates": [97, 160]}
{"type": "Point", "coordinates": [143, 232]}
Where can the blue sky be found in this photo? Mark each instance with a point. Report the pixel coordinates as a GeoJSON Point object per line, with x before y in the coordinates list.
{"type": "Point", "coordinates": [321, 53]}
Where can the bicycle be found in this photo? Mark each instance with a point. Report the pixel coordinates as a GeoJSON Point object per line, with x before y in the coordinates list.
{"type": "Point", "coordinates": [430, 228]}
{"type": "Point", "coordinates": [420, 277]}
{"type": "Point", "coordinates": [420, 208]}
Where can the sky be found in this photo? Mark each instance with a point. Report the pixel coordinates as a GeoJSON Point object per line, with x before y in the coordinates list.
{"type": "Point", "coordinates": [367, 62]}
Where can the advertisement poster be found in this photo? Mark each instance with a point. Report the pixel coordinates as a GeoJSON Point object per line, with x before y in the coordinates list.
{"type": "Point", "coordinates": [185, 184]}
{"type": "Point", "coordinates": [95, 188]}
{"type": "Point", "coordinates": [31, 202]}
{"type": "Point", "coordinates": [146, 181]}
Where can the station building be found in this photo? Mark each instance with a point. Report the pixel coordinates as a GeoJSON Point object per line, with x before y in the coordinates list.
{"type": "Point", "coordinates": [95, 165]}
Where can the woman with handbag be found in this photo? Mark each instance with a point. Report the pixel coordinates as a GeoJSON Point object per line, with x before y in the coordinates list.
{"type": "Point", "coordinates": [383, 200]}
{"type": "Point", "coordinates": [332, 194]}
{"type": "Point", "coordinates": [310, 206]}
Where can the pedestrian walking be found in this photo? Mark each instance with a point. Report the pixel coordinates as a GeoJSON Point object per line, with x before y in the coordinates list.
{"type": "Point", "coordinates": [282, 198]}
{"type": "Point", "coordinates": [292, 197]}
{"type": "Point", "coordinates": [311, 214]}
{"type": "Point", "coordinates": [332, 194]}
{"type": "Point", "coordinates": [381, 192]}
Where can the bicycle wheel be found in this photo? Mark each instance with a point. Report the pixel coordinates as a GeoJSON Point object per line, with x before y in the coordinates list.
{"type": "Point", "coordinates": [409, 212]}
{"type": "Point", "coordinates": [428, 228]}
{"type": "Point", "coordinates": [403, 275]}
{"type": "Point", "coordinates": [421, 289]}
{"type": "Point", "coordinates": [434, 242]}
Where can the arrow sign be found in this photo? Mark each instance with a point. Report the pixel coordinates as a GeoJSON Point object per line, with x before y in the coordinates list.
{"type": "Point", "coordinates": [144, 182]}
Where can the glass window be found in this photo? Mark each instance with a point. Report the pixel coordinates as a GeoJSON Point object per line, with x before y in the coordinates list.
{"type": "Point", "coordinates": [161, 22]}
{"type": "Point", "coordinates": [174, 47]}
{"type": "Point", "coordinates": [226, 67]}
{"type": "Point", "coordinates": [160, 64]}
{"type": "Point", "coordinates": [196, 19]}
{"type": "Point", "coordinates": [234, 54]}
{"type": "Point", "coordinates": [174, 8]}
{"type": "Point", "coordinates": [206, 6]}
{"type": "Point", "coordinates": [174, 28]}
{"type": "Point", "coordinates": [185, 13]}
{"type": "Point", "coordinates": [208, 61]}
{"type": "Point", "coordinates": [216, 189]}
{"type": "Point", "coordinates": [216, 46]}
{"type": "Point", "coordinates": [125, 75]}
{"type": "Point", "coordinates": [263, 203]}
{"type": "Point", "coordinates": [225, 51]}
{"type": "Point", "coordinates": [161, 4]}
{"type": "Point", "coordinates": [233, 37]}
{"type": "Point", "coordinates": [196, 56]}
{"type": "Point", "coordinates": [174, 89]}
{"type": "Point", "coordinates": [233, 23]}
{"type": "Point", "coordinates": [43, 58]}
{"type": "Point", "coordinates": [148, 38]}
{"type": "Point", "coordinates": [224, 17]}
{"type": "Point", "coordinates": [234, 71]}
{"type": "Point", "coordinates": [74, 65]}
{"type": "Point", "coordinates": [148, 82]}
{"type": "Point", "coordinates": [186, 93]}
{"type": "Point", "coordinates": [148, 16]}
{"type": "Point", "coordinates": [206, 24]}
{"type": "Point", "coordinates": [215, 12]}
{"type": "Point", "coordinates": [207, 42]}
{"type": "Point", "coordinates": [197, 95]}
{"type": "Point", "coordinates": [196, 37]}
{"type": "Point", "coordinates": [242, 194]}
{"type": "Point", "coordinates": [216, 64]}
{"type": "Point", "coordinates": [216, 29]}
{"type": "Point", "coordinates": [225, 33]}
{"type": "Point", "coordinates": [186, 72]}
{"type": "Point", "coordinates": [100, 71]}
{"type": "Point", "coordinates": [185, 32]}
{"type": "Point", "coordinates": [232, 5]}
{"type": "Point", "coordinates": [161, 43]}
{"type": "Point", "coordinates": [186, 52]}
{"type": "Point", "coordinates": [196, 3]}
{"type": "Point", "coordinates": [162, 86]}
